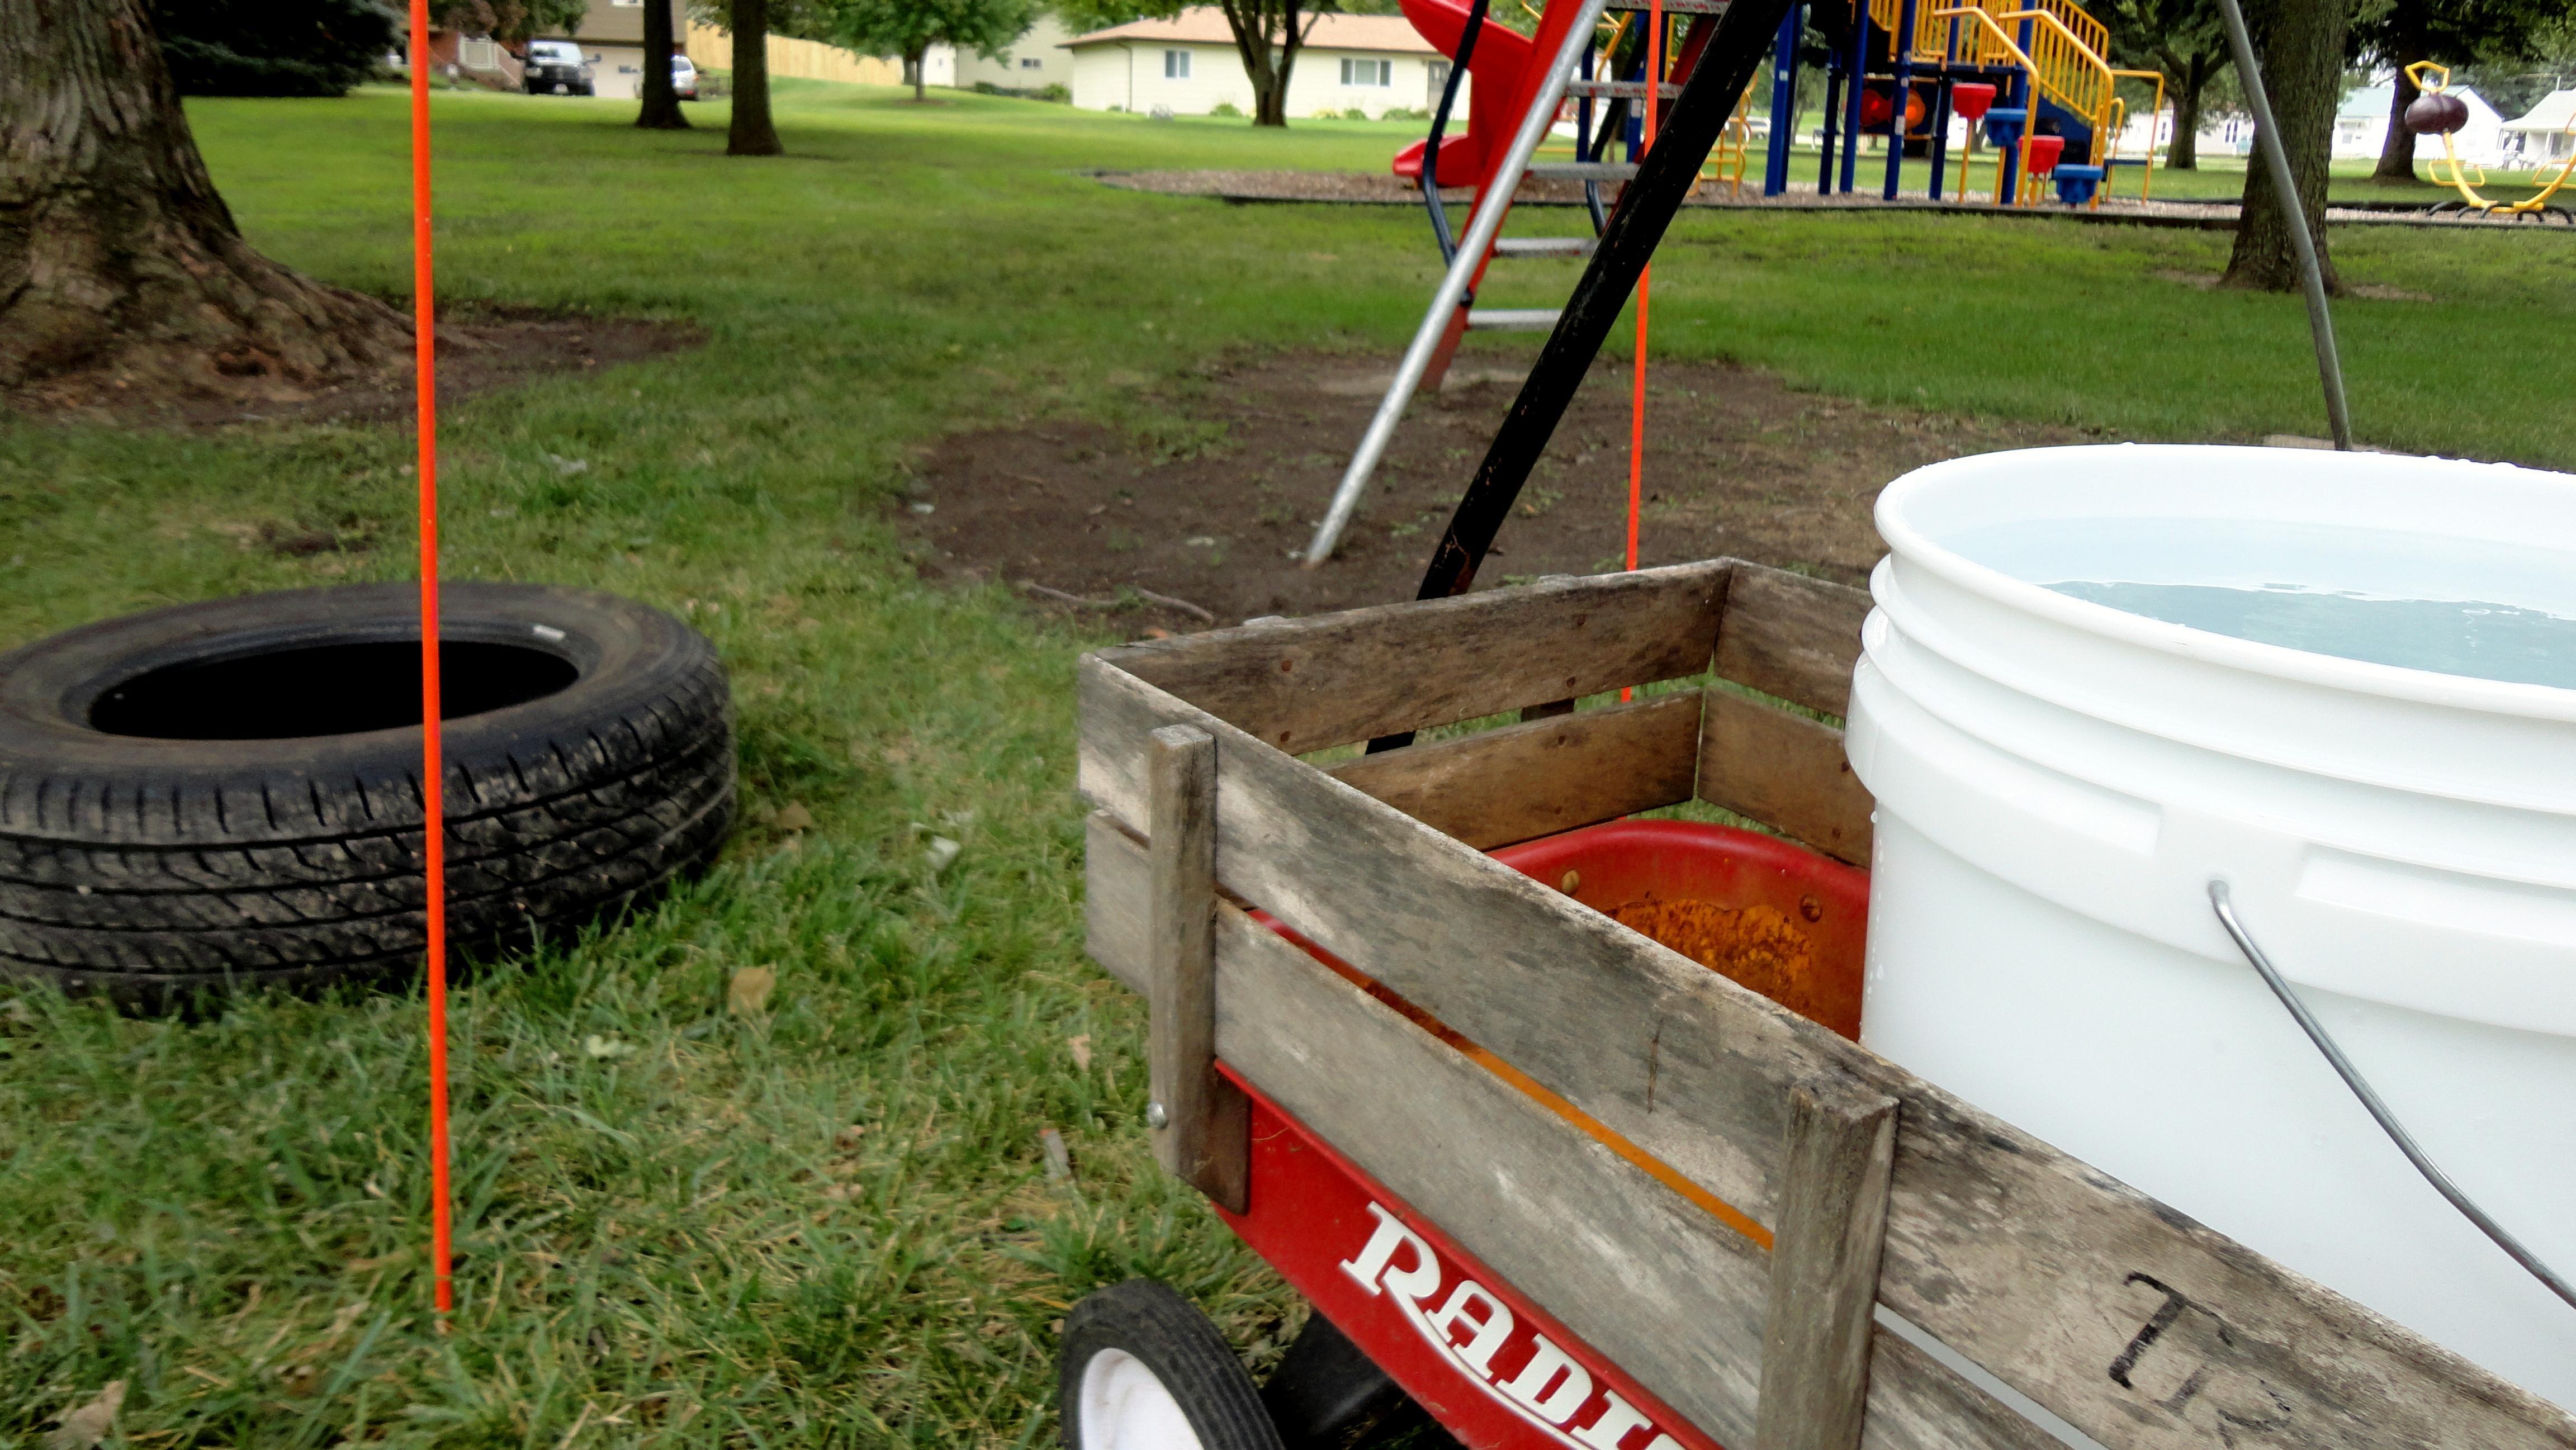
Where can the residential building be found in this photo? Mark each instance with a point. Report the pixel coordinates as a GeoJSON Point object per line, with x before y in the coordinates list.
{"type": "Point", "coordinates": [2546, 136]}
{"type": "Point", "coordinates": [2361, 128]}
{"type": "Point", "coordinates": [1188, 65]}
{"type": "Point", "coordinates": [1036, 60]}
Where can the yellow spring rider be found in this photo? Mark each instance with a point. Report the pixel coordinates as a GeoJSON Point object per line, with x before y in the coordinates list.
{"type": "Point", "coordinates": [2437, 113]}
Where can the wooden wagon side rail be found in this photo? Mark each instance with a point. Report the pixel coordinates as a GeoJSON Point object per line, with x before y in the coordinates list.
{"type": "Point", "coordinates": [2138, 1326]}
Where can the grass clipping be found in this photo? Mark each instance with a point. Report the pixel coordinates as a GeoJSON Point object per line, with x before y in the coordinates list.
{"type": "Point", "coordinates": [1756, 947]}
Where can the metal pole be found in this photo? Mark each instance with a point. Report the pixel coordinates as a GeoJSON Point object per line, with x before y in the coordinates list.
{"type": "Point", "coordinates": [2312, 275]}
{"type": "Point", "coordinates": [1453, 286]}
{"type": "Point", "coordinates": [1900, 92]}
{"type": "Point", "coordinates": [1852, 98]}
{"type": "Point", "coordinates": [1784, 103]}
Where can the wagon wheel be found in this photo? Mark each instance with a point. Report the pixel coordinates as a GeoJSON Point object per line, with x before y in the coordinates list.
{"type": "Point", "coordinates": [1143, 1369]}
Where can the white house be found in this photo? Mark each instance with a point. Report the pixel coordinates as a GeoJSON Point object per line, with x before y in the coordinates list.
{"type": "Point", "coordinates": [2219, 135]}
{"type": "Point", "coordinates": [1188, 64]}
{"type": "Point", "coordinates": [2546, 135]}
{"type": "Point", "coordinates": [2361, 128]}
{"type": "Point", "coordinates": [1038, 58]}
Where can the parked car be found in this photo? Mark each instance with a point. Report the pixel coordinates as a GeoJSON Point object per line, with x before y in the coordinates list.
{"type": "Point", "coordinates": [684, 78]}
{"type": "Point", "coordinates": [556, 67]}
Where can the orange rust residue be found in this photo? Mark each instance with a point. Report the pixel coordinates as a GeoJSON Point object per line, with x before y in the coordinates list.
{"type": "Point", "coordinates": [1756, 947]}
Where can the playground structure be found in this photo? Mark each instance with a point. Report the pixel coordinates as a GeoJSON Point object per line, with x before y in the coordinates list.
{"type": "Point", "coordinates": [2436, 112]}
{"type": "Point", "coordinates": [2031, 72]}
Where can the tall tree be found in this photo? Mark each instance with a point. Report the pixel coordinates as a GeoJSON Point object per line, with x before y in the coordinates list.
{"type": "Point", "coordinates": [661, 100]}
{"type": "Point", "coordinates": [2399, 33]}
{"type": "Point", "coordinates": [271, 47]}
{"type": "Point", "coordinates": [752, 132]}
{"type": "Point", "coordinates": [2300, 46]}
{"type": "Point", "coordinates": [116, 252]}
{"type": "Point", "coordinates": [909, 28]}
{"type": "Point", "coordinates": [1268, 34]}
{"type": "Point", "coordinates": [2183, 40]}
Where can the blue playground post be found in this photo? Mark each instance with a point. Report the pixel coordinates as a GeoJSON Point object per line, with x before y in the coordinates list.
{"type": "Point", "coordinates": [1898, 96]}
{"type": "Point", "coordinates": [1832, 123]}
{"type": "Point", "coordinates": [1784, 101]}
{"type": "Point", "coordinates": [1855, 75]}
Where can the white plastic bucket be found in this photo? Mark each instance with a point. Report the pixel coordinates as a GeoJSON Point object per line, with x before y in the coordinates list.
{"type": "Point", "coordinates": [2059, 781]}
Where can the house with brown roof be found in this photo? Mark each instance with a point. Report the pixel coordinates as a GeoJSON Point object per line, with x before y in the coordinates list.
{"type": "Point", "coordinates": [1188, 65]}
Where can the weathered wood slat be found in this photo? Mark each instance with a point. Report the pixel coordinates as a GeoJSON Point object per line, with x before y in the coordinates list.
{"type": "Point", "coordinates": [1783, 770]}
{"type": "Point", "coordinates": [1791, 636]}
{"type": "Point", "coordinates": [1201, 1123]}
{"type": "Point", "coordinates": [1671, 1296]}
{"type": "Point", "coordinates": [1835, 1157]}
{"type": "Point", "coordinates": [1304, 684]}
{"type": "Point", "coordinates": [1918, 1403]}
{"type": "Point", "coordinates": [1542, 776]}
{"type": "Point", "coordinates": [2019, 1257]}
{"type": "Point", "coordinates": [1116, 900]}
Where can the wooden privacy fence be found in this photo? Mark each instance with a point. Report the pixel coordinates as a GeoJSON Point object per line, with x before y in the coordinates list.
{"type": "Point", "coordinates": [811, 60]}
{"type": "Point", "coordinates": [2137, 1325]}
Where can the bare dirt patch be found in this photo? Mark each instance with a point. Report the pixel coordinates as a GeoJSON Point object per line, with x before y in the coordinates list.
{"type": "Point", "coordinates": [480, 351]}
{"type": "Point", "coordinates": [1215, 513]}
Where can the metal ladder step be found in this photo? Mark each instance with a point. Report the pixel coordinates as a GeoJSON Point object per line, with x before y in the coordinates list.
{"type": "Point", "coordinates": [1543, 247]}
{"type": "Point", "coordinates": [1511, 319]}
{"type": "Point", "coordinates": [1628, 90]}
{"type": "Point", "coordinates": [1582, 171]}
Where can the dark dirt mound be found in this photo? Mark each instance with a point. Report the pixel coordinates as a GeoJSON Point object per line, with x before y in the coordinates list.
{"type": "Point", "coordinates": [479, 351]}
{"type": "Point", "coordinates": [1736, 463]}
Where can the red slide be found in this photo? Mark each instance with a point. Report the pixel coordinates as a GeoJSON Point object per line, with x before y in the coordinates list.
{"type": "Point", "coordinates": [1500, 68]}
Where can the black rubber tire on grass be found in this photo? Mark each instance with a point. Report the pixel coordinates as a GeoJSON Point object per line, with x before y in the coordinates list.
{"type": "Point", "coordinates": [224, 795]}
{"type": "Point", "coordinates": [1149, 1320]}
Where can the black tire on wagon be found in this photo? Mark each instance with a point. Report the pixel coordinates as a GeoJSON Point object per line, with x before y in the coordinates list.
{"type": "Point", "coordinates": [1142, 1369]}
{"type": "Point", "coordinates": [227, 794]}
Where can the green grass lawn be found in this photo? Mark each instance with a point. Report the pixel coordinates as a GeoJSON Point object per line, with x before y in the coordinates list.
{"type": "Point", "coordinates": [828, 1224]}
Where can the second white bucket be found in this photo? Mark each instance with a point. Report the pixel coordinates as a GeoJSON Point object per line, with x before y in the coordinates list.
{"type": "Point", "coordinates": [2393, 805]}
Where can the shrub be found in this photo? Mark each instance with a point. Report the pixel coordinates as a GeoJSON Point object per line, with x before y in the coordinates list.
{"type": "Point", "coordinates": [1225, 108]}
{"type": "Point", "coordinates": [1404, 113]}
{"type": "Point", "coordinates": [1355, 114]}
{"type": "Point", "coordinates": [1053, 92]}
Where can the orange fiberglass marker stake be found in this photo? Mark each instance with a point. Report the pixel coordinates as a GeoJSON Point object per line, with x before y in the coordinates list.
{"type": "Point", "coordinates": [1652, 103]}
{"type": "Point", "coordinates": [433, 772]}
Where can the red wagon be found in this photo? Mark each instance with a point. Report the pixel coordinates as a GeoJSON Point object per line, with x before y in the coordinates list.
{"type": "Point", "coordinates": [1557, 1184]}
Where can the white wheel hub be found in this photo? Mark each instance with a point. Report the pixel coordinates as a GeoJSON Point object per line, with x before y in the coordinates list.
{"type": "Point", "coordinates": [1125, 1407]}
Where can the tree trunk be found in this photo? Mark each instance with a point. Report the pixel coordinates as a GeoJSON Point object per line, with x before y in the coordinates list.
{"type": "Point", "coordinates": [1265, 68]}
{"type": "Point", "coordinates": [2300, 46]}
{"type": "Point", "coordinates": [915, 62]}
{"type": "Point", "coordinates": [116, 252]}
{"type": "Point", "coordinates": [2191, 81]}
{"type": "Point", "coordinates": [661, 110]}
{"type": "Point", "coordinates": [752, 132]}
{"type": "Point", "coordinates": [2397, 153]}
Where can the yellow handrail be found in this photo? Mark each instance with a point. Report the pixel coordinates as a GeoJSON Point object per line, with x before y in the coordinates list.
{"type": "Point", "coordinates": [2147, 177]}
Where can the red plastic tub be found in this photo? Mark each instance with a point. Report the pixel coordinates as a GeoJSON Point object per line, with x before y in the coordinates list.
{"type": "Point", "coordinates": [1612, 865]}
{"type": "Point", "coordinates": [2039, 153]}
{"type": "Point", "coordinates": [1617, 863]}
